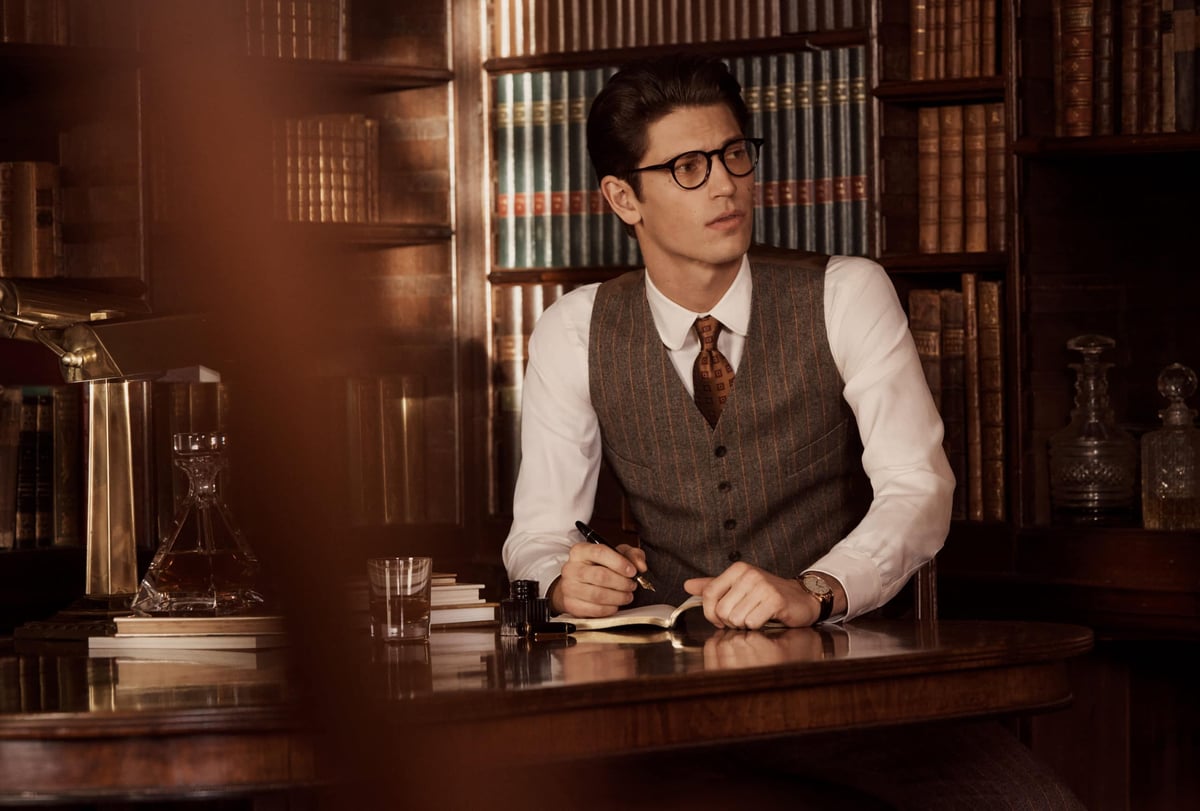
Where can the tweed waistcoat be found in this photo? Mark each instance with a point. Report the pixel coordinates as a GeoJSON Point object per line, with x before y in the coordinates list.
{"type": "Point", "coordinates": [777, 482]}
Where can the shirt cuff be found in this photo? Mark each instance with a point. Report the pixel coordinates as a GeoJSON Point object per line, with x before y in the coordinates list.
{"type": "Point", "coordinates": [859, 578]}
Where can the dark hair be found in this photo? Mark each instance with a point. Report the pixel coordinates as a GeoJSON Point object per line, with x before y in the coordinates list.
{"type": "Point", "coordinates": [643, 92]}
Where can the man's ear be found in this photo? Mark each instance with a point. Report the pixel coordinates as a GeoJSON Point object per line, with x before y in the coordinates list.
{"type": "Point", "coordinates": [621, 198]}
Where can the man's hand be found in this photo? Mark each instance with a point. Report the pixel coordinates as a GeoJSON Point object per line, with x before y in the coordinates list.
{"type": "Point", "coordinates": [745, 596]}
{"type": "Point", "coordinates": [597, 580]}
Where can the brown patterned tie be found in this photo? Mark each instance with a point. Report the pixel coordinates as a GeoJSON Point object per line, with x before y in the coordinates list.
{"type": "Point", "coordinates": [712, 375]}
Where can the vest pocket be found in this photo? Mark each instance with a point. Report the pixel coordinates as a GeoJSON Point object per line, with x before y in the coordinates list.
{"type": "Point", "coordinates": [826, 449]}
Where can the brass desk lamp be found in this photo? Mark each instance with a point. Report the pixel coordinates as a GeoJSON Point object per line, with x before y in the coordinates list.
{"type": "Point", "coordinates": [104, 340]}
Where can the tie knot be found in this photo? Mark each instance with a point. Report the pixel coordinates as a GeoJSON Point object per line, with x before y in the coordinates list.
{"type": "Point", "coordinates": [707, 329]}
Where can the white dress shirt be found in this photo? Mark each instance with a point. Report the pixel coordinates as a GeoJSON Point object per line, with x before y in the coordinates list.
{"type": "Point", "coordinates": [885, 387]}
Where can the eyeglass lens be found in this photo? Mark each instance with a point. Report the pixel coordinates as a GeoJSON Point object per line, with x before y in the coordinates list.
{"type": "Point", "coordinates": [691, 169]}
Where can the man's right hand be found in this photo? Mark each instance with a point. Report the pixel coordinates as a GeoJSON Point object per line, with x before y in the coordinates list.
{"type": "Point", "coordinates": [596, 581]}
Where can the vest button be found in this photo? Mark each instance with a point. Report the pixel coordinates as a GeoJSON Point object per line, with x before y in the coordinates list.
{"type": "Point", "coordinates": [720, 451]}
{"type": "Point", "coordinates": [730, 523]}
{"type": "Point", "coordinates": [724, 487]}
{"type": "Point", "coordinates": [735, 556]}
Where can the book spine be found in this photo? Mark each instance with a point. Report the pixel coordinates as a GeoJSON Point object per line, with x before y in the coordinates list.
{"type": "Point", "coordinates": [925, 324]}
{"type": "Point", "coordinates": [843, 224]}
{"type": "Point", "coordinates": [950, 191]}
{"type": "Point", "coordinates": [67, 487]}
{"type": "Point", "coordinates": [859, 134]}
{"type": "Point", "coordinates": [502, 140]}
{"type": "Point", "coordinates": [970, 38]}
{"type": "Point", "coordinates": [824, 150]}
{"type": "Point", "coordinates": [971, 398]}
{"type": "Point", "coordinates": [1077, 67]}
{"type": "Point", "coordinates": [1183, 23]}
{"type": "Point", "coordinates": [541, 232]}
{"type": "Point", "coordinates": [1166, 61]}
{"type": "Point", "coordinates": [775, 147]}
{"type": "Point", "coordinates": [581, 173]}
{"type": "Point", "coordinates": [975, 198]}
{"type": "Point", "coordinates": [1060, 100]}
{"type": "Point", "coordinates": [560, 174]}
{"type": "Point", "coordinates": [523, 169]}
{"type": "Point", "coordinates": [804, 95]}
{"type": "Point", "coordinates": [7, 195]}
{"type": "Point", "coordinates": [918, 22]}
{"type": "Point", "coordinates": [1131, 12]}
{"type": "Point", "coordinates": [1104, 110]}
{"type": "Point", "coordinates": [991, 400]}
{"type": "Point", "coordinates": [43, 509]}
{"type": "Point", "coordinates": [936, 55]}
{"type": "Point", "coordinates": [789, 182]}
{"type": "Point", "coordinates": [10, 435]}
{"type": "Point", "coordinates": [25, 530]}
{"type": "Point", "coordinates": [928, 180]}
{"type": "Point", "coordinates": [997, 177]}
{"type": "Point", "coordinates": [1150, 69]}
{"type": "Point", "coordinates": [954, 396]}
{"type": "Point", "coordinates": [954, 39]}
{"type": "Point", "coordinates": [989, 63]}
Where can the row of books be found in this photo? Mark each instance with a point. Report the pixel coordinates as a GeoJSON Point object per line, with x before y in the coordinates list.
{"type": "Point", "coordinates": [529, 27]}
{"type": "Point", "coordinates": [41, 461]}
{"type": "Point", "coordinates": [515, 310]}
{"type": "Point", "coordinates": [1125, 66]}
{"type": "Point", "coordinates": [953, 39]}
{"type": "Point", "coordinates": [31, 244]}
{"type": "Point", "coordinates": [961, 194]}
{"type": "Point", "coordinates": [66, 22]}
{"type": "Point", "coordinates": [810, 107]}
{"type": "Point", "coordinates": [325, 168]}
{"type": "Point", "coordinates": [960, 339]}
{"type": "Point", "coordinates": [297, 29]}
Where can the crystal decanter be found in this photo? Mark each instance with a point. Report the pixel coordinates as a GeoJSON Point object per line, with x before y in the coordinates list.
{"type": "Point", "coordinates": [1093, 462]}
{"type": "Point", "coordinates": [204, 567]}
{"type": "Point", "coordinates": [1171, 456]}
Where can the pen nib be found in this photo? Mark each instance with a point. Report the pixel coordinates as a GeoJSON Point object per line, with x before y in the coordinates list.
{"type": "Point", "coordinates": [644, 583]}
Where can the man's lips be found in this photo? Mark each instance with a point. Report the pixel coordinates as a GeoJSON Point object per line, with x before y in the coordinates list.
{"type": "Point", "coordinates": [726, 220]}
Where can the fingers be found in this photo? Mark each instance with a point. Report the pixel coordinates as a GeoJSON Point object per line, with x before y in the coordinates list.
{"type": "Point", "coordinates": [634, 555]}
{"type": "Point", "coordinates": [742, 596]}
{"type": "Point", "coordinates": [596, 581]}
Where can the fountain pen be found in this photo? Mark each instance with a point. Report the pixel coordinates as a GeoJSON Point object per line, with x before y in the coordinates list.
{"type": "Point", "coordinates": [593, 536]}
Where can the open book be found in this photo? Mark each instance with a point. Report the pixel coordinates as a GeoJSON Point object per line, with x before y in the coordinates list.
{"type": "Point", "coordinates": [661, 615]}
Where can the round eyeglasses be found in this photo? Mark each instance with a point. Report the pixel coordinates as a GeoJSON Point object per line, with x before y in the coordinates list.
{"type": "Point", "coordinates": [691, 169]}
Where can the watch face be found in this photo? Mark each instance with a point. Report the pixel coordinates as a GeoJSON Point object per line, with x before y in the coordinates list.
{"type": "Point", "coordinates": [816, 585]}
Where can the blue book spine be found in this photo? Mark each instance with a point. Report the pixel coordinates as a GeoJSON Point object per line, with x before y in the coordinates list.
{"type": "Point", "coordinates": [843, 227]}
{"type": "Point", "coordinates": [502, 138]}
{"type": "Point", "coordinates": [542, 235]}
{"type": "Point", "coordinates": [523, 174]}
{"type": "Point", "coordinates": [772, 150]}
{"type": "Point", "coordinates": [580, 174]}
{"type": "Point", "coordinates": [823, 149]}
{"type": "Point", "coordinates": [805, 134]}
{"type": "Point", "coordinates": [789, 202]}
{"type": "Point", "coordinates": [858, 151]}
{"type": "Point", "coordinates": [560, 160]}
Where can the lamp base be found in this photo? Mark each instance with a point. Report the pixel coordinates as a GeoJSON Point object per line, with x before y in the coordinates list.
{"type": "Point", "coordinates": [90, 615]}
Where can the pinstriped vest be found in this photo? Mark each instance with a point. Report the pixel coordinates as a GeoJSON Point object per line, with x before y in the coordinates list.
{"type": "Point", "coordinates": [778, 481]}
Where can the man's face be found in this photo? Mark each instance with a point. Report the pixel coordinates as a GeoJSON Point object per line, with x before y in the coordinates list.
{"type": "Point", "coordinates": [707, 226]}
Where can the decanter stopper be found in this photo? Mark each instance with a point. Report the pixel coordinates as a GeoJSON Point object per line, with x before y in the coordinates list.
{"type": "Point", "coordinates": [1093, 462]}
{"type": "Point", "coordinates": [1170, 456]}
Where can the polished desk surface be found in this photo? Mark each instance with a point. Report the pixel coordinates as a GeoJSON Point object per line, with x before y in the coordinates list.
{"type": "Point", "coordinates": [68, 720]}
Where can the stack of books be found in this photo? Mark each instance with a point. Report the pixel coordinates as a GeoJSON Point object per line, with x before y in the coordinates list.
{"type": "Point", "coordinates": [454, 604]}
{"type": "Point", "coordinates": [200, 633]}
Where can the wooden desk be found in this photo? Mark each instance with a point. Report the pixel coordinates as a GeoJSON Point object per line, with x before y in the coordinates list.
{"type": "Point", "coordinates": [74, 728]}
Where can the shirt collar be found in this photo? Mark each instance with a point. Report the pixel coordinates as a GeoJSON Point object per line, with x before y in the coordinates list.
{"type": "Point", "coordinates": [674, 323]}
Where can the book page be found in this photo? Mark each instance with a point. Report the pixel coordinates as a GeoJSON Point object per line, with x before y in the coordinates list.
{"type": "Point", "coordinates": [660, 615]}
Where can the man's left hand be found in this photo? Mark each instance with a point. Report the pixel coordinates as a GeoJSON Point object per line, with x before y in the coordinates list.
{"type": "Point", "coordinates": [745, 596]}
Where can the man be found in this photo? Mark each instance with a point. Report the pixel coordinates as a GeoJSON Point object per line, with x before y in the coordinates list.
{"type": "Point", "coordinates": [827, 391]}
{"type": "Point", "coordinates": [821, 458]}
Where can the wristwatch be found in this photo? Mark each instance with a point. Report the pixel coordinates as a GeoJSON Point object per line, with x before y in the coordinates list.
{"type": "Point", "coordinates": [816, 585]}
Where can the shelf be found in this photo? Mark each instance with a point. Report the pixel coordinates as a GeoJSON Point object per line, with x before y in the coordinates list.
{"type": "Point", "coordinates": [815, 40]}
{"type": "Point", "coordinates": [1099, 145]}
{"type": "Point", "coordinates": [942, 91]}
{"type": "Point", "coordinates": [580, 275]}
{"type": "Point", "coordinates": [355, 77]}
{"type": "Point", "coordinates": [351, 235]}
{"type": "Point", "coordinates": [941, 262]}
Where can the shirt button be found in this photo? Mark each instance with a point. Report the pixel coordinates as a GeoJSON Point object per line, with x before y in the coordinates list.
{"type": "Point", "coordinates": [720, 451]}
{"type": "Point", "coordinates": [730, 523]}
{"type": "Point", "coordinates": [735, 556]}
{"type": "Point", "coordinates": [724, 487]}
